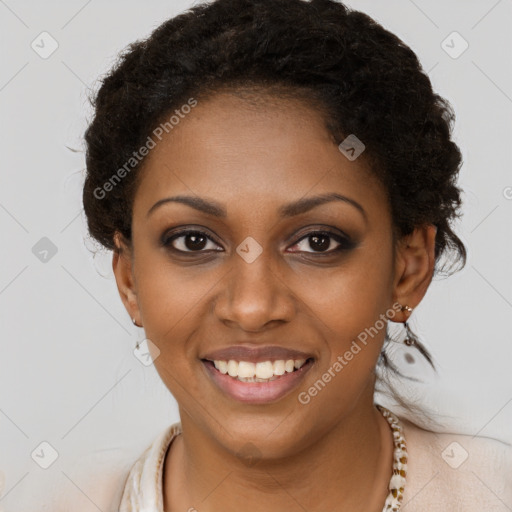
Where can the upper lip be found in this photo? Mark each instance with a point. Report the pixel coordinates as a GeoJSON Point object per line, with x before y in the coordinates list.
{"type": "Point", "coordinates": [255, 354]}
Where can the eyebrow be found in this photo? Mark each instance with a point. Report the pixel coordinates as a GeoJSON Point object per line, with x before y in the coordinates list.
{"type": "Point", "coordinates": [289, 210]}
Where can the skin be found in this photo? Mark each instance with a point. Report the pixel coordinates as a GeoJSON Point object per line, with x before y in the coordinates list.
{"type": "Point", "coordinates": [334, 453]}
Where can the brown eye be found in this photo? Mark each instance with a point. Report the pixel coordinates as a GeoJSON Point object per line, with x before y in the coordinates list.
{"type": "Point", "coordinates": [322, 242]}
{"type": "Point", "coordinates": [189, 241]}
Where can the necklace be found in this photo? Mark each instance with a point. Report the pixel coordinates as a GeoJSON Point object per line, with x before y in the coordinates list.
{"type": "Point", "coordinates": [397, 482]}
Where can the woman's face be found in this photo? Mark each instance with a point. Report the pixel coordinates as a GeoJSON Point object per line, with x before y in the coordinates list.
{"type": "Point", "coordinates": [261, 275]}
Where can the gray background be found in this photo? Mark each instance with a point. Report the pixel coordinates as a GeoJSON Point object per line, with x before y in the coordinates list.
{"type": "Point", "coordinates": [68, 373]}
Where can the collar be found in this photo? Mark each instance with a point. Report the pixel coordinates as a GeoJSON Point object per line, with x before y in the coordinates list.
{"type": "Point", "coordinates": [143, 486]}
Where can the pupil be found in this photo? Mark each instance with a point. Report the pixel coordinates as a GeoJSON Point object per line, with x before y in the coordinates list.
{"type": "Point", "coordinates": [321, 245]}
{"type": "Point", "coordinates": [198, 241]}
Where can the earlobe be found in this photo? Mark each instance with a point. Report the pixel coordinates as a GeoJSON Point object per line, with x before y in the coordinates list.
{"type": "Point", "coordinates": [123, 272]}
{"type": "Point", "coordinates": [415, 265]}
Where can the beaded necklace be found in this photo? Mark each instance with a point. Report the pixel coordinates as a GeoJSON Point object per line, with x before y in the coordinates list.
{"type": "Point", "coordinates": [397, 482]}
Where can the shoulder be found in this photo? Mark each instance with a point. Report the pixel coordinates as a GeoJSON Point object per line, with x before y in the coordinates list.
{"type": "Point", "coordinates": [456, 471]}
{"type": "Point", "coordinates": [143, 485]}
{"type": "Point", "coordinates": [115, 476]}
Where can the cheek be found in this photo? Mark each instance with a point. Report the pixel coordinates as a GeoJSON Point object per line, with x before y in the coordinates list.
{"type": "Point", "coordinates": [172, 303]}
{"type": "Point", "coordinates": [167, 292]}
{"type": "Point", "coordinates": [349, 307]}
{"type": "Point", "coordinates": [351, 297]}
{"type": "Point", "coordinates": [350, 314]}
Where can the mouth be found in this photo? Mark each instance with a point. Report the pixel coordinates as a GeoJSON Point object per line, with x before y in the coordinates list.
{"type": "Point", "coordinates": [257, 382]}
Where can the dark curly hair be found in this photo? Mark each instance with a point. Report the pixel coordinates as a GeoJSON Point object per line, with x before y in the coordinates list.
{"type": "Point", "coordinates": [363, 79]}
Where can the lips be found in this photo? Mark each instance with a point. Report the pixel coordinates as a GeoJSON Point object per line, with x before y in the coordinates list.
{"type": "Point", "coordinates": [257, 392]}
{"type": "Point", "coordinates": [255, 354]}
{"type": "Point", "coordinates": [269, 391]}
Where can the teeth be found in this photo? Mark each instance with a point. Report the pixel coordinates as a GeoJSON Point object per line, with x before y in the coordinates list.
{"type": "Point", "coordinates": [232, 368]}
{"type": "Point", "coordinates": [264, 370]}
{"type": "Point", "coordinates": [245, 369]}
{"type": "Point", "coordinates": [298, 363]}
{"type": "Point", "coordinates": [279, 367]}
{"type": "Point", "coordinates": [258, 372]}
{"type": "Point", "coordinates": [222, 367]}
{"type": "Point", "coordinates": [289, 366]}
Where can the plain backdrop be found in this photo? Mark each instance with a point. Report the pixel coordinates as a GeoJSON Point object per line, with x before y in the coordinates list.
{"type": "Point", "coordinates": [68, 374]}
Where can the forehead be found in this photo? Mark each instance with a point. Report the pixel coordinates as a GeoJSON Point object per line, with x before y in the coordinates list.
{"type": "Point", "coordinates": [263, 148]}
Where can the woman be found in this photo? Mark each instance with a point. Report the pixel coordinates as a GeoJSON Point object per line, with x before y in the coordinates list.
{"type": "Point", "coordinates": [277, 182]}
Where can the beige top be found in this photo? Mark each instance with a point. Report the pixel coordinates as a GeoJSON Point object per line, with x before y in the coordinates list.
{"type": "Point", "coordinates": [446, 473]}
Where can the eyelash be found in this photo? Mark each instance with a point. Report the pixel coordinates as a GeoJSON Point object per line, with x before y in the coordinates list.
{"type": "Point", "coordinates": [344, 242]}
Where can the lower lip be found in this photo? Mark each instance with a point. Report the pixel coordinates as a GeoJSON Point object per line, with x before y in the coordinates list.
{"type": "Point", "coordinates": [257, 392]}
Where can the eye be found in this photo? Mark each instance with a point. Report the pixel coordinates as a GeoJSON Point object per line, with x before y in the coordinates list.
{"type": "Point", "coordinates": [197, 241]}
{"type": "Point", "coordinates": [322, 241]}
{"type": "Point", "coordinates": [189, 241]}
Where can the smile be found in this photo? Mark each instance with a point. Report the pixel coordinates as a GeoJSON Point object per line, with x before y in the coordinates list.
{"type": "Point", "coordinates": [257, 383]}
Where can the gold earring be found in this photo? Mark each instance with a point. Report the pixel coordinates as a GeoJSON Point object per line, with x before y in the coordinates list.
{"type": "Point", "coordinates": [409, 337]}
{"type": "Point", "coordinates": [135, 323]}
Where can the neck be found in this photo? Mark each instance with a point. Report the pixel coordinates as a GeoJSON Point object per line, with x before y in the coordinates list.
{"type": "Point", "coordinates": [345, 468]}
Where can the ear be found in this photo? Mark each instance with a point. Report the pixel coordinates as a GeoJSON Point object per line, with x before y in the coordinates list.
{"type": "Point", "coordinates": [414, 267]}
{"type": "Point", "coordinates": [122, 265]}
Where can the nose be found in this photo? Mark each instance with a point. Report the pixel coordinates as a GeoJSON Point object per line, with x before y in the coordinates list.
{"type": "Point", "coordinates": [254, 296]}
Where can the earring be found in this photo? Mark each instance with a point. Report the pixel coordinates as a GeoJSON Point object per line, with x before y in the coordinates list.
{"type": "Point", "coordinates": [135, 323]}
{"type": "Point", "coordinates": [409, 337]}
